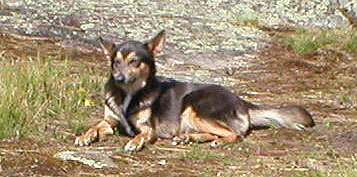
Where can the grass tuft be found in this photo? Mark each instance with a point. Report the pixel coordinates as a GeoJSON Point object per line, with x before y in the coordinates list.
{"type": "Point", "coordinates": [351, 45]}
{"type": "Point", "coordinates": [247, 20]}
{"type": "Point", "coordinates": [308, 40]}
{"type": "Point", "coordinates": [36, 93]}
{"type": "Point", "coordinates": [305, 41]}
{"type": "Point", "coordinates": [200, 153]}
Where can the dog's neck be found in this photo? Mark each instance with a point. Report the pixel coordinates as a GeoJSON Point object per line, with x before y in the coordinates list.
{"type": "Point", "coordinates": [142, 98]}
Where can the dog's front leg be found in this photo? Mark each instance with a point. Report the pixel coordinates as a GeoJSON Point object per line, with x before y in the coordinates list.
{"type": "Point", "coordinates": [100, 130]}
{"type": "Point", "coordinates": [97, 132]}
{"type": "Point", "coordinates": [142, 122]}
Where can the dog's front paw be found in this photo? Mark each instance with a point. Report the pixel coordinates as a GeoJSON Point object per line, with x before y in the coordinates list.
{"type": "Point", "coordinates": [181, 139]}
{"type": "Point", "coordinates": [84, 140]}
{"type": "Point", "coordinates": [135, 144]}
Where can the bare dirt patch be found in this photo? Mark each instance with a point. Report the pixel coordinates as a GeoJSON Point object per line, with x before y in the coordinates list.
{"type": "Point", "coordinates": [318, 81]}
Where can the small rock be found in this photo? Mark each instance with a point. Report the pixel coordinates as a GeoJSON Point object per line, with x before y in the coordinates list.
{"type": "Point", "coordinates": [87, 26]}
{"type": "Point", "coordinates": [162, 162]}
{"type": "Point", "coordinates": [94, 159]}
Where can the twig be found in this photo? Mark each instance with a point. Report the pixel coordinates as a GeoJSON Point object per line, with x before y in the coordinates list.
{"type": "Point", "coordinates": [172, 149]}
{"type": "Point", "coordinates": [123, 156]}
{"type": "Point", "coordinates": [13, 152]}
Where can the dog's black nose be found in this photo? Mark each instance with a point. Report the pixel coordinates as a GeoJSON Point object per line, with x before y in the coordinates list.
{"type": "Point", "coordinates": [119, 78]}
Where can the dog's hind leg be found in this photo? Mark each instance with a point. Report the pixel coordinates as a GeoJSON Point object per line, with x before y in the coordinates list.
{"type": "Point", "coordinates": [193, 137]}
{"type": "Point", "coordinates": [208, 129]}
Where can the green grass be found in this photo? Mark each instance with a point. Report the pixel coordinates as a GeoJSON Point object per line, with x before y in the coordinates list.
{"type": "Point", "coordinates": [250, 19]}
{"type": "Point", "coordinates": [36, 93]}
{"type": "Point", "coordinates": [349, 99]}
{"type": "Point", "coordinates": [304, 41]}
{"type": "Point", "coordinates": [346, 172]}
{"type": "Point", "coordinates": [308, 40]}
{"type": "Point", "coordinates": [310, 173]}
{"type": "Point", "coordinates": [200, 153]}
{"type": "Point", "coordinates": [351, 45]}
{"type": "Point", "coordinates": [340, 171]}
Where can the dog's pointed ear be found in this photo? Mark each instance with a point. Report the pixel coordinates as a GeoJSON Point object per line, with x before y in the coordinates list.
{"type": "Point", "coordinates": [156, 45]}
{"type": "Point", "coordinates": [107, 47]}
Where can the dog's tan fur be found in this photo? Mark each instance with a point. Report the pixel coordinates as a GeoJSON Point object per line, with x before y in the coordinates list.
{"type": "Point", "coordinates": [153, 106]}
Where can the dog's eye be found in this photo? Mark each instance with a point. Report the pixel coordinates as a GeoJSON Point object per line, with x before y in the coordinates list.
{"type": "Point", "coordinates": [116, 62]}
{"type": "Point", "coordinates": [134, 61]}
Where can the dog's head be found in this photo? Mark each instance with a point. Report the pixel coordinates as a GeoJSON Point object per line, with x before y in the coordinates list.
{"type": "Point", "coordinates": [132, 62]}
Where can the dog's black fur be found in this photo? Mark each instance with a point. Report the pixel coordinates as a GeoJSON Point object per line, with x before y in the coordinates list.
{"type": "Point", "coordinates": [153, 106]}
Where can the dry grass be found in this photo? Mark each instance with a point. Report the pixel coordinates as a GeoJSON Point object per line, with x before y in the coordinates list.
{"type": "Point", "coordinates": [36, 92]}
{"type": "Point", "coordinates": [47, 99]}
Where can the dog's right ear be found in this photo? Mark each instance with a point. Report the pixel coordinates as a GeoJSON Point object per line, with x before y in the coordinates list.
{"type": "Point", "coordinates": [107, 47]}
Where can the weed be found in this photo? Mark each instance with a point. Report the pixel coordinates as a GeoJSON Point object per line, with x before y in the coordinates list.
{"type": "Point", "coordinates": [207, 173]}
{"type": "Point", "coordinates": [247, 19]}
{"type": "Point", "coordinates": [37, 92]}
{"type": "Point", "coordinates": [310, 173]}
{"type": "Point", "coordinates": [200, 153]}
{"type": "Point", "coordinates": [349, 171]}
{"type": "Point", "coordinates": [305, 41]}
{"type": "Point", "coordinates": [328, 125]}
{"type": "Point", "coordinates": [349, 84]}
{"type": "Point", "coordinates": [351, 45]}
{"type": "Point", "coordinates": [349, 100]}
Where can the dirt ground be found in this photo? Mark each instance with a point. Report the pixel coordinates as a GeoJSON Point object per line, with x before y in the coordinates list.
{"type": "Point", "coordinates": [279, 77]}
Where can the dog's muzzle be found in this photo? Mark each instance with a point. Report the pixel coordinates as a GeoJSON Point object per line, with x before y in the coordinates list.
{"type": "Point", "coordinates": [122, 79]}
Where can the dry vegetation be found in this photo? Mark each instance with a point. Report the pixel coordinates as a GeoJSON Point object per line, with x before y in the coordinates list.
{"type": "Point", "coordinates": [48, 95]}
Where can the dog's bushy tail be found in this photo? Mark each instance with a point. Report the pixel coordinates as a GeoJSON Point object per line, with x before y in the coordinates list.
{"type": "Point", "coordinates": [292, 117]}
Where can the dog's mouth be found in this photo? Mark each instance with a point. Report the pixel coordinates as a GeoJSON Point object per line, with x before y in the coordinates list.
{"type": "Point", "coordinates": [132, 85]}
{"type": "Point", "coordinates": [125, 81]}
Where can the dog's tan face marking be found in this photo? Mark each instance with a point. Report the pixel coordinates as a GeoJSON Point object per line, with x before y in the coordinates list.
{"type": "Point", "coordinates": [134, 69]}
{"type": "Point", "coordinates": [128, 60]}
{"type": "Point", "coordinates": [141, 72]}
{"type": "Point", "coordinates": [118, 56]}
{"type": "Point", "coordinates": [130, 56]}
{"type": "Point", "coordinates": [122, 58]}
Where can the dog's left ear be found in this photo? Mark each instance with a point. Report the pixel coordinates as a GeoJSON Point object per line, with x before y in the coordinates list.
{"type": "Point", "coordinates": [107, 47]}
{"type": "Point", "coordinates": [156, 44]}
